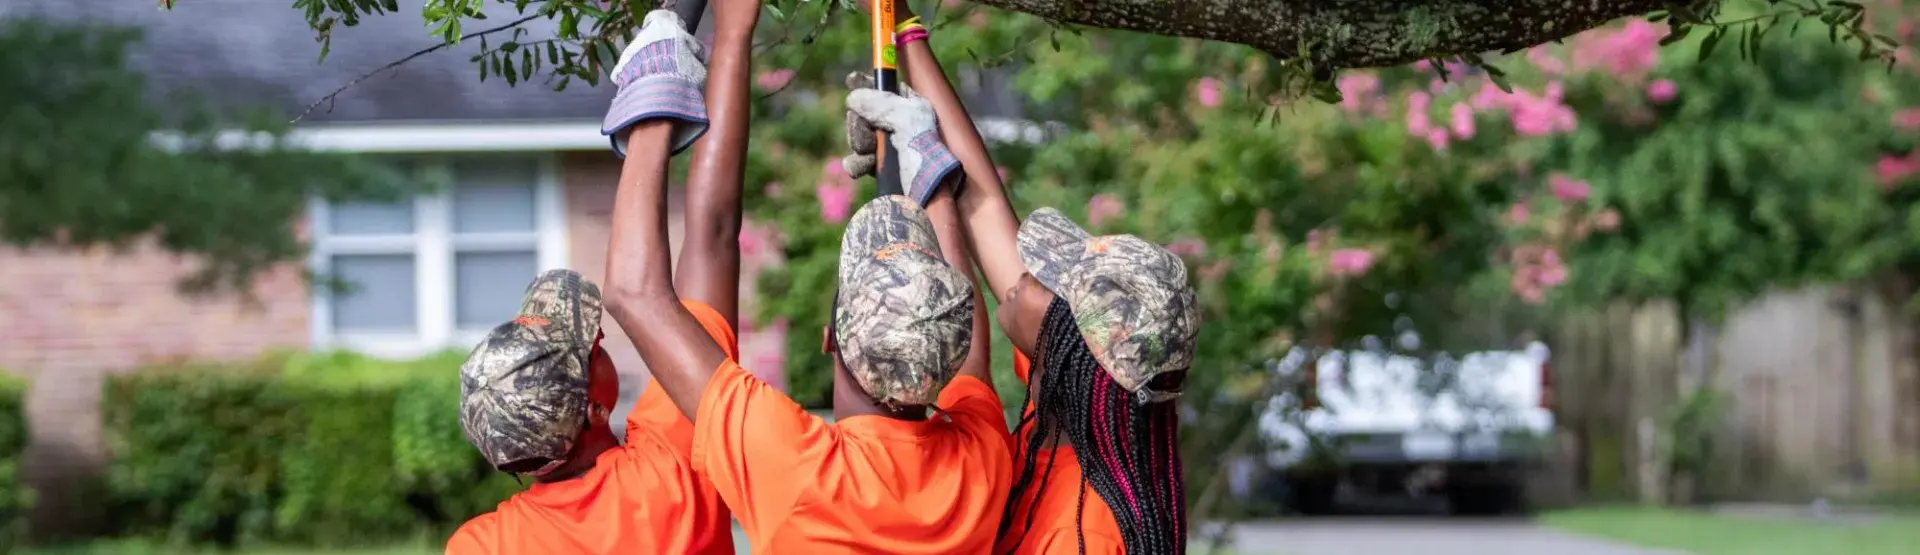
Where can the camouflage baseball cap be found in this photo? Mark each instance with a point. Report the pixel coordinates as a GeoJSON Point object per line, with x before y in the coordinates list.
{"type": "Point", "coordinates": [523, 390]}
{"type": "Point", "coordinates": [1129, 296]}
{"type": "Point", "coordinates": [904, 318]}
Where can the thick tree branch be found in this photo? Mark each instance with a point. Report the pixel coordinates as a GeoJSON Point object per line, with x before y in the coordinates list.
{"type": "Point", "coordinates": [1348, 33]}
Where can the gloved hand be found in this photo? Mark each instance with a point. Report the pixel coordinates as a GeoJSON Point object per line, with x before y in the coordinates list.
{"type": "Point", "coordinates": [661, 74]}
{"type": "Point", "coordinates": [925, 163]}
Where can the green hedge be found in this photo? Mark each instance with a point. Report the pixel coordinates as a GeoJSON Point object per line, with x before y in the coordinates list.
{"type": "Point", "coordinates": [328, 449]}
{"type": "Point", "coordinates": [15, 498]}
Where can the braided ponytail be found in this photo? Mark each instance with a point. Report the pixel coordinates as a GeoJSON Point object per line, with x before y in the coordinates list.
{"type": "Point", "coordinates": [1128, 453]}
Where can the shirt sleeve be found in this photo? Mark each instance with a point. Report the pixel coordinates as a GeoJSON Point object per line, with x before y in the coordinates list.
{"type": "Point", "coordinates": [470, 539]}
{"type": "Point", "coordinates": [975, 406]}
{"type": "Point", "coordinates": [716, 326]}
{"type": "Point", "coordinates": [757, 447]}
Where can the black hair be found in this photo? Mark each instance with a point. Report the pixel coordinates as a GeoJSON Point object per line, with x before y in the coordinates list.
{"type": "Point", "coordinates": [1128, 452]}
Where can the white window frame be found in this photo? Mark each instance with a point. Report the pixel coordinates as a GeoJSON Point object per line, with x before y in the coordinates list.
{"type": "Point", "coordinates": [433, 245]}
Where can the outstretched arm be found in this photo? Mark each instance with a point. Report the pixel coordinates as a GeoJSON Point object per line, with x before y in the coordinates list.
{"type": "Point", "coordinates": [944, 214]}
{"type": "Point", "coordinates": [640, 293]}
{"type": "Point", "coordinates": [709, 266]}
{"type": "Point", "coordinates": [986, 214]}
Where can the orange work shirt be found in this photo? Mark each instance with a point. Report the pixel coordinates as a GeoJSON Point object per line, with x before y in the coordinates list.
{"type": "Point", "coordinates": [642, 497]}
{"type": "Point", "coordinates": [867, 484]}
{"type": "Point", "coordinates": [1044, 522]}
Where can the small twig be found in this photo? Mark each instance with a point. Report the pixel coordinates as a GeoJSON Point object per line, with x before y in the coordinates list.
{"type": "Point", "coordinates": [328, 99]}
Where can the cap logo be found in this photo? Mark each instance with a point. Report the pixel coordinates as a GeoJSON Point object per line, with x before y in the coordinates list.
{"type": "Point", "coordinates": [1099, 245]}
{"type": "Point", "coordinates": [531, 321]}
{"type": "Point", "coordinates": [888, 251]}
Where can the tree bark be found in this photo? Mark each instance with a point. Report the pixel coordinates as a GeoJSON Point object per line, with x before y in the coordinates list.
{"type": "Point", "coordinates": [1348, 33]}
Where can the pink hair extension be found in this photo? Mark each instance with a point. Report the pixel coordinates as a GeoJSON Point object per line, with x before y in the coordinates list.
{"type": "Point", "coordinates": [1101, 413]}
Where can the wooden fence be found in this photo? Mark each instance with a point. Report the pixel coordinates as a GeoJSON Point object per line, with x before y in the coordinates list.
{"type": "Point", "coordinates": [1810, 393]}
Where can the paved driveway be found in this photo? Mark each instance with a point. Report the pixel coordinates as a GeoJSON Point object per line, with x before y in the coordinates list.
{"type": "Point", "coordinates": [1425, 535]}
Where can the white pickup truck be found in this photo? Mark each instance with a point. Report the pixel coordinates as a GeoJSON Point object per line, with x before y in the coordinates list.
{"type": "Point", "coordinates": [1470, 429]}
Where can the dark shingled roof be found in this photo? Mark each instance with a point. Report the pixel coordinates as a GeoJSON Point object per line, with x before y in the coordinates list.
{"type": "Point", "coordinates": [260, 52]}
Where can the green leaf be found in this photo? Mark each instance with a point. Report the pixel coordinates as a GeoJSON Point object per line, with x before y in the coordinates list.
{"type": "Point", "coordinates": [1500, 80]}
{"type": "Point", "coordinates": [1707, 44]}
{"type": "Point", "coordinates": [776, 12]}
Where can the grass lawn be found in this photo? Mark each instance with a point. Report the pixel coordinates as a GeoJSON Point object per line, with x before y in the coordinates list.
{"type": "Point", "coordinates": [131, 548]}
{"type": "Point", "coordinates": [1708, 534]}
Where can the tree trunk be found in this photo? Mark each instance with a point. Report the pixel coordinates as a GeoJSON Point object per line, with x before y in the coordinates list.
{"type": "Point", "coordinates": [1348, 33]}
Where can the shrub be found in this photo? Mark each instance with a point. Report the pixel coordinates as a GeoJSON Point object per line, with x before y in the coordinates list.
{"type": "Point", "coordinates": [328, 449]}
{"type": "Point", "coordinates": [15, 498]}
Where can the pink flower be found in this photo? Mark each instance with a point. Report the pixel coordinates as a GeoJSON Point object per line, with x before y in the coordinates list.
{"type": "Point", "coordinates": [1629, 53]}
{"type": "Point", "coordinates": [1568, 189]}
{"type": "Point", "coordinates": [1437, 138]}
{"type": "Point", "coordinates": [1355, 88]}
{"type": "Point", "coordinates": [1543, 58]}
{"type": "Point", "coordinates": [1907, 119]}
{"type": "Point", "coordinates": [752, 240]}
{"type": "Point", "coordinates": [1209, 90]}
{"type": "Point", "coordinates": [1188, 247]}
{"type": "Point", "coordinates": [1349, 262]}
{"type": "Point", "coordinates": [836, 199]}
{"type": "Point", "coordinates": [1418, 123]}
{"type": "Point", "coordinates": [1539, 116]}
{"type": "Point", "coordinates": [1419, 101]}
{"type": "Point", "coordinates": [1104, 207]}
{"type": "Point", "coordinates": [1436, 86]}
{"type": "Point", "coordinates": [834, 170]}
{"type": "Point", "coordinates": [1423, 66]}
{"type": "Point", "coordinates": [1893, 169]}
{"type": "Point", "coordinates": [1662, 91]}
{"type": "Point", "coordinates": [1607, 220]}
{"type": "Point", "coordinates": [1462, 124]}
{"type": "Point", "coordinates": [1518, 214]}
{"type": "Point", "coordinates": [773, 189]}
{"type": "Point", "coordinates": [1551, 276]}
{"type": "Point", "coordinates": [773, 80]}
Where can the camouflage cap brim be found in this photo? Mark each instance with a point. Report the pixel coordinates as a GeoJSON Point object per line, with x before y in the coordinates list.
{"type": "Point", "coordinates": [1050, 244]}
{"type": "Point", "coordinates": [904, 316]}
{"type": "Point", "coordinates": [1130, 297]}
{"type": "Point", "coordinates": [523, 389]}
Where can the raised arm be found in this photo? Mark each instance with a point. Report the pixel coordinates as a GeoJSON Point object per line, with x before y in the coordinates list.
{"type": "Point", "coordinates": [709, 267]}
{"type": "Point", "coordinates": [986, 213]}
{"type": "Point", "coordinates": [657, 93]}
{"type": "Point", "coordinates": [944, 213]}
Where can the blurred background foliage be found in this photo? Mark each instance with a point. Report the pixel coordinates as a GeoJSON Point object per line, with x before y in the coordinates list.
{"type": "Point", "coordinates": [1418, 214]}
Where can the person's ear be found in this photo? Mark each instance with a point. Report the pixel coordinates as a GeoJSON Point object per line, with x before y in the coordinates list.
{"type": "Point", "coordinates": [826, 339]}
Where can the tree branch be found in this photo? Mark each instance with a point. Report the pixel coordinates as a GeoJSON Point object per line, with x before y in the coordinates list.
{"type": "Point", "coordinates": [1348, 33]}
{"type": "Point", "coordinates": [328, 99]}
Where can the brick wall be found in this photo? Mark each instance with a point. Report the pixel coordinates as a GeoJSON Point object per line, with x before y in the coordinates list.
{"type": "Point", "coordinates": [79, 315]}
{"type": "Point", "coordinates": [590, 180]}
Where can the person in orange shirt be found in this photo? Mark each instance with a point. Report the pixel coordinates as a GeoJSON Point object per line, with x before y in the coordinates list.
{"type": "Point", "coordinates": [919, 460]}
{"type": "Point", "coordinates": [536, 394]}
{"type": "Point", "coordinates": [1112, 322]}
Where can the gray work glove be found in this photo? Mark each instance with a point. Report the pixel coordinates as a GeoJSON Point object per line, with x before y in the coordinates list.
{"type": "Point", "coordinates": [925, 163]}
{"type": "Point", "coordinates": [661, 74]}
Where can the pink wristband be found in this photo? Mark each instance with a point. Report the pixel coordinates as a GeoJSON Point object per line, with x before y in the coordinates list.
{"type": "Point", "coordinates": [910, 36]}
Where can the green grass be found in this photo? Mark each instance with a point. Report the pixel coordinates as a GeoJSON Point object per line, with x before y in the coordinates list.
{"type": "Point", "coordinates": [143, 548]}
{"type": "Point", "coordinates": [1707, 534]}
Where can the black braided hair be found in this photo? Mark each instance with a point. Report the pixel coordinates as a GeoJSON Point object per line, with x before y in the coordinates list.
{"type": "Point", "coordinates": [1128, 452]}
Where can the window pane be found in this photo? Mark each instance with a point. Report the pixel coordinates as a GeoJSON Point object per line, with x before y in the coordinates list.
{"type": "Point", "coordinates": [361, 218]}
{"type": "Point", "coordinates": [493, 195]}
{"type": "Point", "coordinates": [382, 299]}
{"type": "Point", "coordinates": [488, 286]}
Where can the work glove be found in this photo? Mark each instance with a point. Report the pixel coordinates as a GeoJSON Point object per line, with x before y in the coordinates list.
{"type": "Point", "coordinates": [660, 75]}
{"type": "Point", "coordinates": [925, 164]}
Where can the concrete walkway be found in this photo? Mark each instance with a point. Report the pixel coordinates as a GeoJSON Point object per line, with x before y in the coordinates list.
{"type": "Point", "coordinates": [1425, 535]}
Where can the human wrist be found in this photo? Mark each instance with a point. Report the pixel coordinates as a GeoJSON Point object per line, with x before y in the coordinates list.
{"type": "Point", "coordinates": [729, 35]}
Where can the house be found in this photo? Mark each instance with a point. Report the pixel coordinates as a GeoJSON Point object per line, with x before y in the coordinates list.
{"type": "Point", "coordinates": [532, 185]}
